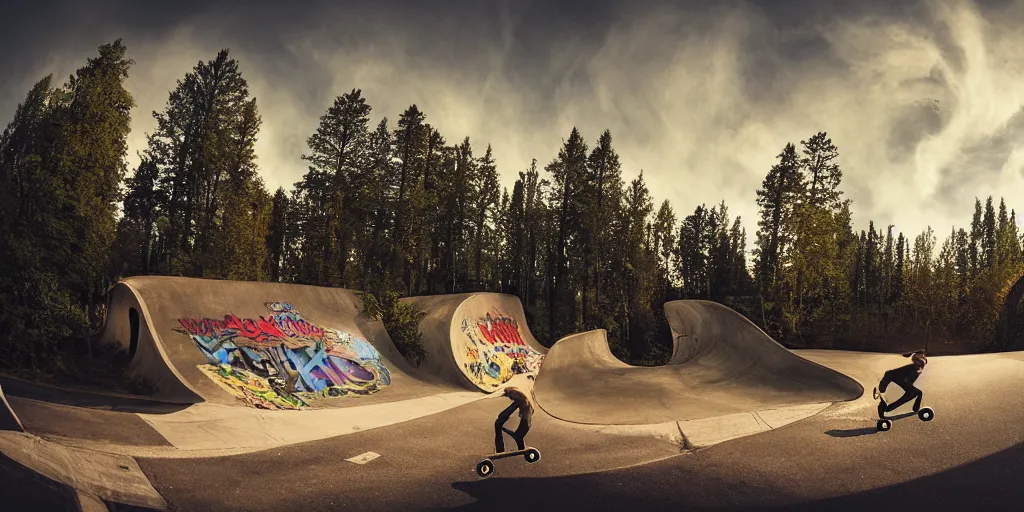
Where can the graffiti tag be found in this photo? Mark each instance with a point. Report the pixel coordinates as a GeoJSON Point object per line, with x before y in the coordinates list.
{"type": "Point", "coordinates": [282, 360]}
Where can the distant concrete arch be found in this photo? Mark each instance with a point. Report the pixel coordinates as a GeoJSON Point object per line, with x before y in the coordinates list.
{"type": "Point", "coordinates": [1011, 320]}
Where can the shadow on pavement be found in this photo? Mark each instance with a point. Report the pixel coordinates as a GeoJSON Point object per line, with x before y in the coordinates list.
{"type": "Point", "coordinates": [85, 398]}
{"type": "Point", "coordinates": [852, 432]}
{"type": "Point", "coordinates": [864, 431]}
{"type": "Point", "coordinates": [991, 483]}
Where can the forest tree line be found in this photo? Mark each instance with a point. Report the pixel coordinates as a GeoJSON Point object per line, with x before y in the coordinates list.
{"type": "Point", "coordinates": [398, 207]}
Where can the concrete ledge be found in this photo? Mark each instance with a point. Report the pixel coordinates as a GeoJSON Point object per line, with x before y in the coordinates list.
{"type": "Point", "coordinates": [705, 432]}
{"type": "Point", "coordinates": [103, 476]}
{"type": "Point", "coordinates": [8, 420]}
{"type": "Point", "coordinates": [227, 429]}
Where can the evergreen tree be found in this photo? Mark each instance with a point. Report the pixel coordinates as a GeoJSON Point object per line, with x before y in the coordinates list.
{"type": "Point", "coordinates": [989, 235]}
{"type": "Point", "coordinates": [568, 171]}
{"type": "Point", "coordinates": [410, 149]}
{"type": "Point", "coordinates": [142, 208]}
{"type": "Point", "coordinates": [204, 148]}
{"type": "Point", "coordinates": [338, 187]}
{"type": "Point", "coordinates": [62, 163]}
{"type": "Point", "coordinates": [977, 238]}
{"type": "Point", "coordinates": [277, 234]}
{"type": "Point", "coordinates": [601, 192]}
{"type": "Point", "coordinates": [776, 199]}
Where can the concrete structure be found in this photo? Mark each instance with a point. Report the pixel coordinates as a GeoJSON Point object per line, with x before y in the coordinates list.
{"type": "Point", "coordinates": [476, 340]}
{"type": "Point", "coordinates": [721, 364]}
{"type": "Point", "coordinates": [197, 340]}
{"type": "Point", "coordinates": [8, 420]}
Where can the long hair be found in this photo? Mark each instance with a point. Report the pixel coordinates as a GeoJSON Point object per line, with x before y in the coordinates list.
{"type": "Point", "coordinates": [918, 357]}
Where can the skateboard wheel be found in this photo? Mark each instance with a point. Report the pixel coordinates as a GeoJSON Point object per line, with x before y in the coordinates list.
{"type": "Point", "coordinates": [926, 414]}
{"type": "Point", "coordinates": [884, 425]}
{"type": "Point", "coordinates": [532, 455]}
{"type": "Point", "coordinates": [485, 468]}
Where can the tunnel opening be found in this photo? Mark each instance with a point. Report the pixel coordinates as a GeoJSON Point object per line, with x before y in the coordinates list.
{"type": "Point", "coordinates": [133, 326]}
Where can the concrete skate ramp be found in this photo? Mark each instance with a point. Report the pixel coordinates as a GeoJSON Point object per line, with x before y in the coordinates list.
{"type": "Point", "coordinates": [8, 420]}
{"type": "Point", "coordinates": [722, 364]}
{"type": "Point", "coordinates": [476, 340]}
{"type": "Point", "coordinates": [196, 340]}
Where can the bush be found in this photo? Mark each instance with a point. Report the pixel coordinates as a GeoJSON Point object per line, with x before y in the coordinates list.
{"type": "Point", "coordinates": [402, 322]}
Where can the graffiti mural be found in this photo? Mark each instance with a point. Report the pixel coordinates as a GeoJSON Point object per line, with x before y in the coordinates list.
{"type": "Point", "coordinates": [495, 350]}
{"type": "Point", "coordinates": [282, 361]}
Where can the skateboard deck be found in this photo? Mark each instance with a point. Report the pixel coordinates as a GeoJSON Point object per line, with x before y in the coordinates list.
{"type": "Point", "coordinates": [485, 467]}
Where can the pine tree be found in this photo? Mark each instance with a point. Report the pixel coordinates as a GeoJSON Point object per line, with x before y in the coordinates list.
{"type": "Point", "coordinates": [277, 234]}
{"type": "Point", "coordinates": [204, 147]}
{"type": "Point", "coordinates": [382, 180]}
{"type": "Point", "coordinates": [989, 235]}
{"type": "Point", "coordinates": [486, 198]}
{"type": "Point", "coordinates": [569, 172]}
{"type": "Point", "coordinates": [89, 155]}
{"type": "Point", "coordinates": [776, 199]}
{"type": "Point", "coordinates": [977, 238]}
{"type": "Point", "coordinates": [409, 149]}
{"type": "Point", "coordinates": [142, 208]}
{"type": "Point", "coordinates": [337, 184]}
{"type": "Point", "coordinates": [601, 192]}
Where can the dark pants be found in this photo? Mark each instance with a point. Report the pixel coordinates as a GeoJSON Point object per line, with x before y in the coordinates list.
{"type": "Point", "coordinates": [519, 434]}
{"type": "Point", "coordinates": [909, 393]}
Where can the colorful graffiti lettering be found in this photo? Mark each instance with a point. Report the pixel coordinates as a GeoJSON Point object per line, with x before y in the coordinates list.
{"type": "Point", "coordinates": [282, 361]}
{"type": "Point", "coordinates": [496, 351]}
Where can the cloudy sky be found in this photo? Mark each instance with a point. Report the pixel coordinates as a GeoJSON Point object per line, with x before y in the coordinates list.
{"type": "Point", "coordinates": [924, 100]}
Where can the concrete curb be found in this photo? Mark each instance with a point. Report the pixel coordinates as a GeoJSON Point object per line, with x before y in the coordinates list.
{"type": "Point", "coordinates": [95, 475]}
{"type": "Point", "coordinates": [213, 428]}
{"type": "Point", "coordinates": [705, 432]}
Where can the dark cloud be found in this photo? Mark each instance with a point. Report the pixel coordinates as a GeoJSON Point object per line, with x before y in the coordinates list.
{"type": "Point", "coordinates": [918, 95]}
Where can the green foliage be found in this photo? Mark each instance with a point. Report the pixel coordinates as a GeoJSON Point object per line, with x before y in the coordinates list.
{"type": "Point", "coordinates": [208, 214]}
{"type": "Point", "coordinates": [401, 320]}
{"type": "Point", "coordinates": [397, 210]}
{"type": "Point", "coordinates": [61, 167]}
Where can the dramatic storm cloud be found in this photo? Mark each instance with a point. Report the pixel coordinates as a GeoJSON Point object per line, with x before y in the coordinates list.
{"type": "Point", "coordinates": [924, 100]}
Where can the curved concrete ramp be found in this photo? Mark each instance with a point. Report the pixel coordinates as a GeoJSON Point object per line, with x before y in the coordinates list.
{"type": "Point", "coordinates": [727, 371]}
{"type": "Point", "coordinates": [248, 343]}
{"type": "Point", "coordinates": [8, 420]}
{"type": "Point", "coordinates": [476, 340]}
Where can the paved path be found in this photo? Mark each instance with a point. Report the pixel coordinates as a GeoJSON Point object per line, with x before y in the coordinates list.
{"type": "Point", "coordinates": [834, 460]}
{"type": "Point", "coordinates": [969, 457]}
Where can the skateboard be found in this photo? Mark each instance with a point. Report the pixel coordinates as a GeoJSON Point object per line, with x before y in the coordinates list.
{"type": "Point", "coordinates": [884, 424]}
{"type": "Point", "coordinates": [485, 468]}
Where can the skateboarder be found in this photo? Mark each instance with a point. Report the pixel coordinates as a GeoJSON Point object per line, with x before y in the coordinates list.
{"type": "Point", "coordinates": [521, 402]}
{"type": "Point", "coordinates": [904, 377]}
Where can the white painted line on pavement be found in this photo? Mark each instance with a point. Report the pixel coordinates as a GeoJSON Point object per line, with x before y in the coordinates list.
{"type": "Point", "coordinates": [363, 458]}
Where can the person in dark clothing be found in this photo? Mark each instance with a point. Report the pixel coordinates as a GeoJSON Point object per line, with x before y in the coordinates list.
{"type": "Point", "coordinates": [519, 402]}
{"type": "Point", "coordinates": [904, 377]}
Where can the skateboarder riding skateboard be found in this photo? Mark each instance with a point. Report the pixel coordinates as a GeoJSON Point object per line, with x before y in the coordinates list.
{"type": "Point", "coordinates": [521, 402]}
{"type": "Point", "coordinates": [904, 377]}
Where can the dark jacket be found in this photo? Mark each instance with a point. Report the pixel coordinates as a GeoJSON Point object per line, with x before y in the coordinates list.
{"type": "Point", "coordinates": [905, 374]}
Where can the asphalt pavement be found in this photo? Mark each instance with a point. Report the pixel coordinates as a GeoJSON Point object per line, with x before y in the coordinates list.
{"type": "Point", "coordinates": [969, 456]}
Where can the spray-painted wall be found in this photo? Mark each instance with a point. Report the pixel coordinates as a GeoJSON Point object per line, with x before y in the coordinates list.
{"type": "Point", "coordinates": [282, 361]}
{"type": "Point", "coordinates": [493, 350]}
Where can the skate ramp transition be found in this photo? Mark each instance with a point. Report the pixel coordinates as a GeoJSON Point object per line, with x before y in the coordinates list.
{"type": "Point", "coordinates": [8, 420]}
{"type": "Point", "coordinates": [721, 364]}
{"type": "Point", "coordinates": [477, 341]}
{"type": "Point", "coordinates": [249, 343]}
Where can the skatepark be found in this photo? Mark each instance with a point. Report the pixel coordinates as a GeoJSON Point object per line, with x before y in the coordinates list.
{"type": "Point", "coordinates": [734, 420]}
